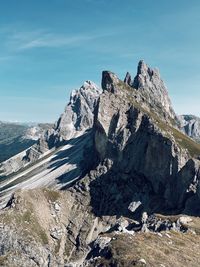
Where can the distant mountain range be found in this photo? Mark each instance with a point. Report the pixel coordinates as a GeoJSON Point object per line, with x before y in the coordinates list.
{"type": "Point", "coordinates": [16, 137]}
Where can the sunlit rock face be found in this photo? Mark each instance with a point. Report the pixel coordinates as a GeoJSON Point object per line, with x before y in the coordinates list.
{"type": "Point", "coordinates": [190, 125]}
{"type": "Point", "coordinates": [149, 82]}
{"type": "Point", "coordinates": [77, 117]}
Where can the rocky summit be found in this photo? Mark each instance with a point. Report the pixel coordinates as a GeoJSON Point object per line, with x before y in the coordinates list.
{"type": "Point", "coordinates": [115, 182]}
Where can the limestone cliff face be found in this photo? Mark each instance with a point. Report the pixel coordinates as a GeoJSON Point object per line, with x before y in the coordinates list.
{"type": "Point", "coordinates": [77, 117]}
{"type": "Point", "coordinates": [78, 114]}
{"type": "Point", "coordinates": [190, 125]}
{"type": "Point", "coordinates": [141, 149]}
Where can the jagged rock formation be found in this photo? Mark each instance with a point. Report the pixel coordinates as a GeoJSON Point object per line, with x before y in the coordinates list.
{"type": "Point", "coordinates": [134, 162]}
{"type": "Point", "coordinates": [152, 92]}
{"type": "Point", "coordinates": [144, 157]}
{"type": "Point", "coordinates": [190, 125]}
{"type": "Point", "coordinates": [128, 79]}
{"type": "Point", "coordinates": [77, 118]}
{"type": "Point", "coordinates": [153, 89]}
{"type": "Point", "coordinates": [78, 115]}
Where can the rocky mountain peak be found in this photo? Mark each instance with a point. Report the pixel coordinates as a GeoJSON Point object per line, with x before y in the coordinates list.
{"type": "Point", "coordinates": [88, 92]}
{"type": "Point", "coordinates": [144, 70]}
{"type": "Point", "coordinates": [128, 79]}
{"type": "Point", "coordinates": [148, 78]}
{"type": "Point", "coordinates": [78, 114]}
{"type": "Point", "coordinates": [153, 89]}
{"type": "Point", "coordinates": [109, 80]}
{"type": "Point", "coordinates": [147, 86]}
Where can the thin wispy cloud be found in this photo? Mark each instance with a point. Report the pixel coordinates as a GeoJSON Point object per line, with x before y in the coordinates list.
{"type": "Point", "coordinates": [41, 39]}
{"type": "Point", "coordinates": [5, 58]}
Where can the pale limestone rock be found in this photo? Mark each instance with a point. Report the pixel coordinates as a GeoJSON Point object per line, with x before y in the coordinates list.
{"type": "Point", "coordinates": [190, 125]}
{"type": "Point", "coordinates": [153, 89]}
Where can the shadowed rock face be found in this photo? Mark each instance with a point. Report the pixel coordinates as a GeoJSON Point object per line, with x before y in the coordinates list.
{"type": "Point", "coordinates": [109, 79]}
{"type": "Point", "coordinates": [128, 79]}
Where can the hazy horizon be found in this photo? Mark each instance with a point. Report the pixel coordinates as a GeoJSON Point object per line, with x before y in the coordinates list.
{"type": "Point", "coordinates": [49, 48]}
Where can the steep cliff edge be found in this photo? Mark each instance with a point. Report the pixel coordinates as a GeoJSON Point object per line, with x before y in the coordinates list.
{"type": "Point", "coordinates": [147, 160]}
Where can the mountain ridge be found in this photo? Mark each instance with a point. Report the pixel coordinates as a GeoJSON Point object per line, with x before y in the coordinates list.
{"type": "Point", "coordinates": [114, 161]}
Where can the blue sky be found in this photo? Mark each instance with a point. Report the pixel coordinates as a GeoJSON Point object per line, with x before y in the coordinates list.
{"type": "Point", "coordinates": [49, 47]}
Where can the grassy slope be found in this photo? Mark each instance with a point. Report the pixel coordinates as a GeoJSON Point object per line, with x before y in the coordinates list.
{"type": "Point", "coordinates": [164, 249]}
{"type": "Point", "coordinates": [168, 249]}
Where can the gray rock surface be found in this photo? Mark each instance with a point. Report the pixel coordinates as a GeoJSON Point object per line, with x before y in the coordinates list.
{"type": "Point", "coordinates": [190, 125]}
{"type": "Point", "coordinates": [76, 119]}
{"type": "Point", "coordinates": [128, 79]}
{"type": "Point", "coordinates": [109, 80]}
{"type": "Point", "coordinates": [153, 89]}
{"type": "Point", "coordinates": [78, 114]}
{"type": "Point", "coordinates": [149, 156]}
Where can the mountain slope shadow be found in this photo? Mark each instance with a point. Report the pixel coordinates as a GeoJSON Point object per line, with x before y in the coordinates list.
{"type": "Point", "coordinates": [144, 177]}
{"type": "Point", "coordinates": [129, 194]}
{"type": "Point", "coordinates": [76, 159]}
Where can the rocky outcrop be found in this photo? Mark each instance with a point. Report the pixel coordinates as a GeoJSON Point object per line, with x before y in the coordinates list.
{"type": "Point", "coordinates": [77, 117]}
{"type": "Point", "coordinates": [109, 80]}
{"type": "Point", "coordinates": [128, 79]}
{"type": "Point", "coordinates": [35, 132]}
